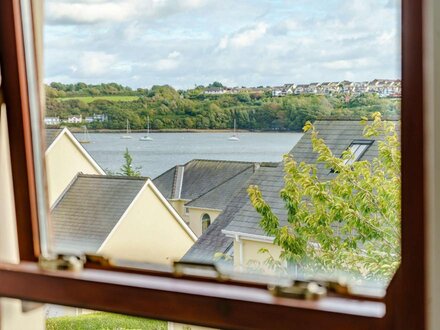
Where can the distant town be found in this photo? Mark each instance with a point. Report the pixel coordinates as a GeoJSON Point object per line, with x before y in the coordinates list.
{"type": "Point", "coordinates": [381, 87]}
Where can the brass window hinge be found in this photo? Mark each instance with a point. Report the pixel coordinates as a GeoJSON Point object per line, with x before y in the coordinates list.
{"type": "Point", "coordinates": [299, 290]}
{"type": "Point", "coordinates": [309, 290]}
{"type": "Point", "coordinates": [185, 268]}
{"type": "Point", "coordinates": [98, 259]}
{"type": "Point", "coordinates": [68, 262]}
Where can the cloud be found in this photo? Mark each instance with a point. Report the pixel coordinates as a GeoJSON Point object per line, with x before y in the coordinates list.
{"type": "Point", "coordinates": [89, 13]}
{"type": "Point", "coordinates": [98, 11]}
{"type": "Point", "coordinates": [96, 63]}
{"type": "Point", "coordinates": [169, 63]}
{"type": "Point", "coordinates": [244, 38]}
{"type": "Point", "coordinates": [346, 65]}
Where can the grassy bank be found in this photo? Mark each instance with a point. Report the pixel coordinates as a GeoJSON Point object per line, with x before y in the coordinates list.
{"type": "Point", "coordinates": [103, 321]}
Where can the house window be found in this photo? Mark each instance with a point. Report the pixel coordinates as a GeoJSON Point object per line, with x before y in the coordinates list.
{"type": "Point", "coordinates": [358, 149]}
{"type": "Point", "coordinates": [206, 221]}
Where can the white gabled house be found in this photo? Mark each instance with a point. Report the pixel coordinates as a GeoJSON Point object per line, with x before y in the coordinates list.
{"type": "Point", "coordinates": [65, 158]}
{"type": "Point", "coordinates": [119, 217]}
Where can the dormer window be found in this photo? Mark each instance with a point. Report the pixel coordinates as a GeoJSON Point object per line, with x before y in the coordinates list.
{"type": "Point", "coordinates": [358, 149]}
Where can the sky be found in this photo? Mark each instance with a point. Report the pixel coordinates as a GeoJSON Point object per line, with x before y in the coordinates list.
{"type": "Point", "coordinates": [183, 43]}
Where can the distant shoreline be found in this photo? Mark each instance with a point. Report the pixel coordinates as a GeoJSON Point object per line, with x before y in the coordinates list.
{"type": "Point", "coordinates": [106, 130]}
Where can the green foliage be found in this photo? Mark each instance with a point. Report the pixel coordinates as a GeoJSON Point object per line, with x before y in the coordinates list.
{"type": "Point", "coordinates": [350, 222]}
{"type": "Point", "coordinates": [56, 89]}
{"type": "Point", "coordinates": [216, 84]}
{"type": "Point", "coordinates": [103, 321]}
{"type": "Point", "coordinates": [114, 98]}
{"type": "Point", "coordinates": [127, 168]}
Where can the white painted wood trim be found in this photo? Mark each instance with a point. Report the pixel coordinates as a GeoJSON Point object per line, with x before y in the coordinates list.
{"type": "Point", "coordinates": [250, 237]}
{"type": "Point", "coordinates": [203, 208]}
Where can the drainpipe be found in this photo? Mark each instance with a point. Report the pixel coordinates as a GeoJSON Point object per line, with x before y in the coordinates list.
{"type": "Point", "coordinates": [241, 260]}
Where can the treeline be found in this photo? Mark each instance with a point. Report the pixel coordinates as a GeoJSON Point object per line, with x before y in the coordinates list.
{"type": "Point", "coordinates": [171, 109]}
{"type": "Point", "coordinates": [56, 89]}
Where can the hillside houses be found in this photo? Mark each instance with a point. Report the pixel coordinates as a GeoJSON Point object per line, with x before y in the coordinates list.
{"type": "Point", "coordinates": [57, 121]}
{"type": "Point", "coordinates": [381, 87]}
{"type": "Point", "coordinates": [238, 90]}
{"type": "Point", "coordinates": [287, 89]}
{"type": "Point", "coordinates": [214, 91]}
{"type": "Point", "coordinates": [52, 121]}
{"type": "Point", "coordinates": [75, 119]}
{"type": "Point", "coordinates": [96, 118]}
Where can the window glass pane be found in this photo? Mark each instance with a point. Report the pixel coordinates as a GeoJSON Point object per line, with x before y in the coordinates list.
{"type": "Point", "coordinates": [357, 150]}
{"type": "Point", "coordinates": [218, 132]}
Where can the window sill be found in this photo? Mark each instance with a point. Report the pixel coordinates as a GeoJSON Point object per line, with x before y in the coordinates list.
{"type": "Point", "coordinates": [185, 301]}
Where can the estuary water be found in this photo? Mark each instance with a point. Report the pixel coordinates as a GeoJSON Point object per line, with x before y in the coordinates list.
{"type": "Point", "coordinates": [170, 149]}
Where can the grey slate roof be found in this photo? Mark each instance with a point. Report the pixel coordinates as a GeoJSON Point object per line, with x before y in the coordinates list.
{"type": "Point", "coordinates": [165, 182]}
{"type": "Point", "coordinates": [89, 209]}
{"type": "Point", "coordinates": [213, 240]}
{"type": "Point", "coordinates": [199, 176]}
{"type": "Point", "coordinates": [51, 134]}
{"type": "Point", "coordinates": [220, 196]}
{"type": "Point", "coordinates": [240, 215]}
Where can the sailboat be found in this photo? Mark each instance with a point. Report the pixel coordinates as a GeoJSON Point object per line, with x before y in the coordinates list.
{"type": "Point", "coordinates": [234, 136]}
{"type": "Point", "coordinates": [128, 131]}
{"type": "Point", "coordinates": [147, 137]}
{"type": "Point", "coordinates": [86, 138]}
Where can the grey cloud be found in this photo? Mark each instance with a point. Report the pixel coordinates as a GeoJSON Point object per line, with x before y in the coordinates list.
{"type": "Point", "coordinates": [116, 11]}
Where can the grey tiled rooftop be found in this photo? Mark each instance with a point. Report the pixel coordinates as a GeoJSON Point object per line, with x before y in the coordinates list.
{"type": "Point", "coordinates": [50, 135]}
{"type": "Point", "coordinates": [199, 177]}
{"type": "Point", "coordinates": [89, 209]}
{"type": "Point", "coordinates": [220, 196]}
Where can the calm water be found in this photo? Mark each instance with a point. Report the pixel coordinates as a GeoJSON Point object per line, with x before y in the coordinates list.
{"type": "Point", "coordinates": [169, 149]}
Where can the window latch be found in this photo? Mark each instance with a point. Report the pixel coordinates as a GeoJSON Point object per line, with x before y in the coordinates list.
{"type": "Point", "coordinates": [303, 290]}
{"type": "Point", "coordinates": [68, 262]}
{"type": "Point", "coordinates": [183, 268]}
{"type": "Point", "coordinates": [309, 290]}
{"type": "Point", "coordinates": [98, 259]}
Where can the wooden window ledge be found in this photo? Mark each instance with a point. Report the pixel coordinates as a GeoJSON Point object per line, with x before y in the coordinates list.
{"type": "Point", "coordinates": [184, 301]}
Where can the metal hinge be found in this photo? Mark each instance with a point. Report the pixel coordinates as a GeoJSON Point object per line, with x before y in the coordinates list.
{"type": "Point", "coordinates": [68, 262]}
{"type": "Point", "coordinates": [182, 268]}
{"type": "Point", "coordinates": [97, 259]}
{"type": "Point", "coordinates": [299, 290]}
{"type": "Point", "coordinates": [309, 290]}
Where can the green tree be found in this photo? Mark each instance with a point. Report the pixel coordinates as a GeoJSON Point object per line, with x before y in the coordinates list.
{"type": "Point", "coordinates": [216, 84]}
{"type": "Point", "coordinates": [351, 222]}
{"type": "Point", "coordinates": [127, 168]}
